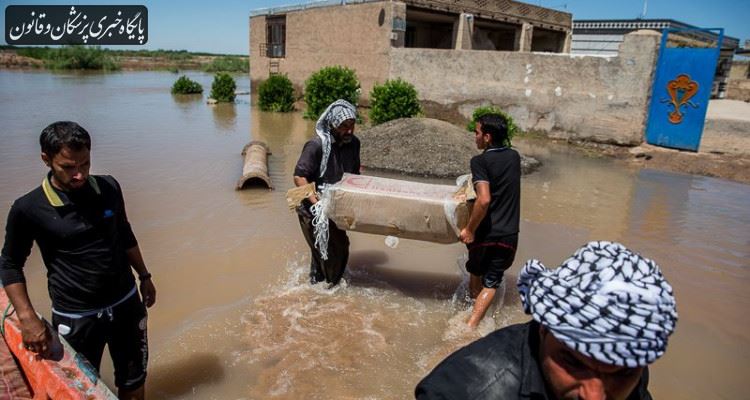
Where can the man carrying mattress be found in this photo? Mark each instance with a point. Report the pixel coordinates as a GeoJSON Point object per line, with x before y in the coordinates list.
{"type": "Point", "coordinates": [325, 158]}
{"type": "Point", "coordinates": [491, 234]}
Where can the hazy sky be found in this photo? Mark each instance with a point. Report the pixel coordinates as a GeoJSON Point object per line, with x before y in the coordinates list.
{"type": "Point", "coordinates": [221, 26]}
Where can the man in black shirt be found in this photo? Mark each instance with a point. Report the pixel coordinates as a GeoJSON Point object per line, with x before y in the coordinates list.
{"type": "Point", "coordinates": [491, 234]}
{"type": "Point", "coordinates": [324, 159]}
{"type": "Point", "coordinates": [80, 225]}
{"type": "Point", "coordinates": [599, 320]}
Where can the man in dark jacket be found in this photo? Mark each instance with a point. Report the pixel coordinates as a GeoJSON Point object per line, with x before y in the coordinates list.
{"type": "Point", "coordinates": [80, 225]}
{"type": "Point", "coordinates": [324, 160]}
{"type": "Point", "coordinates": [599, 320]}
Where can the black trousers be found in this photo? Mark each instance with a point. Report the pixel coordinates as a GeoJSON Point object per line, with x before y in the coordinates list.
{"type": "Point", "coordinates": [333, 268]}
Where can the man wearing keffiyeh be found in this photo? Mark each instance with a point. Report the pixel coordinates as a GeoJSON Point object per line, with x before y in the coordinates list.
{"type": "Point", "coordinates": [332, 151]}
{"type": "Point", "coordinates": [599, 320]}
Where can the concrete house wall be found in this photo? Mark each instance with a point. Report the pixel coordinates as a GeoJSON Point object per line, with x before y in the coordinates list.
{"type": "Point", "coordinates": [351, 35]}
{"type": "Point", "coordinates": [596, 98]}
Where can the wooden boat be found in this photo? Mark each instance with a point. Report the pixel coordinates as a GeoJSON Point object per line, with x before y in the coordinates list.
{"type": "Point", "coordinates": [65, 375]}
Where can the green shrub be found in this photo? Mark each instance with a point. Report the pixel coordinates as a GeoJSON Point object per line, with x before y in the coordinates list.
{"type": "Point", "coordinates": [74, 57]}
{"type": "Point", "coordinates": [392, 100]}
{"type": "Point", "coordinates": [228, 64]}
{"type": "Point", "coordinates": [185, 85]}
{"type": "Point", "coordinates": [276, 94]}
{"type": "Point", "coordinates": [223, 87]}
{"type": "Point", "coordinates": [328, 85]}
{"type": "Point", "coordinates": [484, 110]}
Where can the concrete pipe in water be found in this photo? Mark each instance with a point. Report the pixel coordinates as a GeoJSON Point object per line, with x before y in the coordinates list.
{"type": "Point", "coordinates": [255, 169]}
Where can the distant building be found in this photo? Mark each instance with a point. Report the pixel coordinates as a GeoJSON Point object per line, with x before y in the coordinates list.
{"type": "Point", "coordinates": [299, 40]}
{"type": "Point", "coordinates": [603, 38]}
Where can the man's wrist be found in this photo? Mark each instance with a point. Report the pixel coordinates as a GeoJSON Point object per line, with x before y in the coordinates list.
{"type": "Point", "coordinates": [144, 276]}
{"type": "Point", "coordinates": [26, 315]}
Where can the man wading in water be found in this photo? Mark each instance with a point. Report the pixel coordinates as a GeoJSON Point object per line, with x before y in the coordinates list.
{"type": "Point", "coordinates": [491, 234]}
{"type": "Point", "coordinates": [324, 159]}
{"type": "Point", "coordinates": [79, 223]}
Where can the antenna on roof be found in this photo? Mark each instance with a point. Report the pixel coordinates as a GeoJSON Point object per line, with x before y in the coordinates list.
{"type": "Point", "coordinates": [645, 8]}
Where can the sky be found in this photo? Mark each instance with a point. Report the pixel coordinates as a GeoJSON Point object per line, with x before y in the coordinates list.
{"type": "Point", "coordinates": [221, 26]}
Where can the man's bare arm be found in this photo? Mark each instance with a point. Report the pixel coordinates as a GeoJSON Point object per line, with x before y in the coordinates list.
{"type": "Point", "coordinates": [148, 290]}
{"type": "Point", "coordinates": [478, 211]}
{"type": "Point", "coordinates": [36, 336]}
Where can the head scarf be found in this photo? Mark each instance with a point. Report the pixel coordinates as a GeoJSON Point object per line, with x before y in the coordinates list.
{"type": "Point", "coordinates": [605, 302]}
{"type": "Point", "coordinates": [336, 113]}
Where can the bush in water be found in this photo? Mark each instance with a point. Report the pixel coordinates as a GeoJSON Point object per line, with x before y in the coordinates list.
{"type": "Point", "coordinates": [328, 85]}
{"type": "Point", "coordinates": [185, 85]}
{"type": "Point", "coordinates": [276, 94]}
{"type": "Point", "coordinates": [392, 100]}
{"type": "Point", "coordinates": [222, 90]}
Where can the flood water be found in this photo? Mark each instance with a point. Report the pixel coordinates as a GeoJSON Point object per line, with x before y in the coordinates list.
{"type": "Point", "coordinates": [235, 318]}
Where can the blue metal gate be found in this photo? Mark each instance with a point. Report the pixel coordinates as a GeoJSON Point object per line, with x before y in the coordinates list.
{"type": "Point", "coordinates": [682, 87]}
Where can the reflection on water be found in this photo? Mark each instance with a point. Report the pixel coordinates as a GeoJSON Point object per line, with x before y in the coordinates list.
{"type": "Point", "coordinates": [235, 317]}
{"type": "Point", "coordinates": [225, 116]}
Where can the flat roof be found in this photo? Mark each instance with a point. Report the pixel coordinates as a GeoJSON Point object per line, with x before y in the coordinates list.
{"type": "Point", "coordinates": [637, 23]}
{"type": "Point", "coordinates": [306, 6]}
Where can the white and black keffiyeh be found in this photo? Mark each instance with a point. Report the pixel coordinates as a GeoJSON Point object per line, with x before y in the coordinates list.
{"type": "Point", "coordinates": [336, 113]}
{"type": "Point", "coordinates": [605, 301]}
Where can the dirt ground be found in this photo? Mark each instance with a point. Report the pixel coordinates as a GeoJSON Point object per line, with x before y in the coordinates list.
{"type": "Point", "coordinates": [9, 59]}
{"type": "Point", "coordinates": [423, 147]}
{"type": "Point", "coordinates": [735, 167]}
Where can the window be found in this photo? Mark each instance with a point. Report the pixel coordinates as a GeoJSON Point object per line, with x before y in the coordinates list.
{"type": "Point", "coordinates": [276, 36]}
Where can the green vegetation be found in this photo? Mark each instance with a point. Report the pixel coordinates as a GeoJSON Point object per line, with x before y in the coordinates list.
{"type": "Point", "coordinates": [392, 100]}
{"type": "Point", "coordinates": [92, 57]}
{"type": "Point", "coordinates": [328, 85]}
{"type": "Point", "coordinates": [276, 94]}
{"type": "Point", "coordinates": [185, 85]}
{"type": "Point", "coordinates": [73, 57]}
{"type": "Point", "coordinates": [512, 129]}
{"type": "Point", "coordinates": [222, 89]}
{"type": "Point", "coordinates": [228, 64]}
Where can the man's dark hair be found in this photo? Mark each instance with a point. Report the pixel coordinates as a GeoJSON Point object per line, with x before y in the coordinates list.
{"type": "Point", "coordinates": [496, 126]}
{"type": "Point", "coordinates": [63, 133]}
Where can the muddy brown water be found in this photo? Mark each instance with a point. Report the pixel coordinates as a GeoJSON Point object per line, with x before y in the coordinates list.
{"type": "Point", "coordinates": [235, 318]}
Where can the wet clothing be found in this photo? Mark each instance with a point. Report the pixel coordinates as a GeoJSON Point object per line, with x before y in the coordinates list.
{"type": "Point", "coordinates": [122, 328]}
{"type": "Point", "coordinates": [83, 236]}
{"type": "Point", "coordinates": [343, 158]}
{"type": "Point", "coordinates": [332, 269]}
{"type": "Point", "coordinates": [501, 168]}
{"type": "Point", "coordinates": [496, 237]}
{"type": "Point", "coordinates": [490, 259]}
{"type": "Point", "coordinates": [502, 365]}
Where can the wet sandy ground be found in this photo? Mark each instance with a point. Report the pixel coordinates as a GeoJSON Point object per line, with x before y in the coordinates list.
{"type": "Point", "coordinates": [235, 317]}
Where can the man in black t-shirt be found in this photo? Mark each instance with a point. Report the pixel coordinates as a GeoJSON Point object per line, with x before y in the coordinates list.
{"type": "Point", "coordinates": [491, 234]}
{"type": "Point", "coordinates": [324, 160]}
{"type": "Point", "coordinates": [79, 223]}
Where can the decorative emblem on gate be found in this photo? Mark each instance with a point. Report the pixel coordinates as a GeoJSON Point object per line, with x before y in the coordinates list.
{"type": "Point", "coordinates": [680, 90]}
